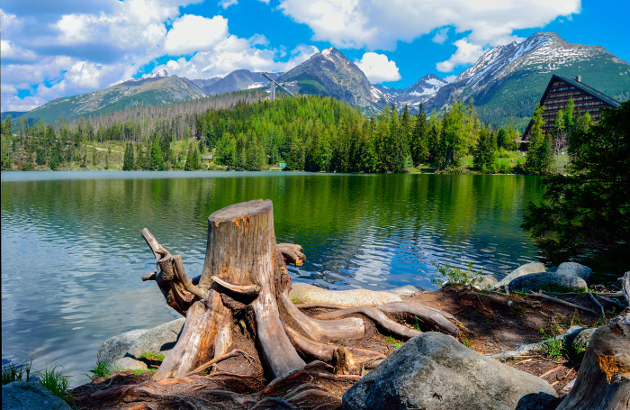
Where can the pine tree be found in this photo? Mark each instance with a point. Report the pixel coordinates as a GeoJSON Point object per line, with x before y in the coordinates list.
{"type": "Point", "coordinates": [128, 161]}
{"type": "Point", "coordinates": [485, 152]}
{"type": "Point", "coordinates": [193, 159]}
{"type": "Point", "coordinates": [537, 158]}
{"type": "Point", "coordinates": [419, 144]}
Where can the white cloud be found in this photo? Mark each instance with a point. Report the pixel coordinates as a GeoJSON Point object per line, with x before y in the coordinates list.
{"type": "Point", "coordinates": [378, 68]}
{"type": "Point", "coordinates": [192, 33]}
{"type": "Point", "coordinates": [466, 53]}
{"type": "Point", "coordinates": [234, 53]}
{"type": "Point", "coordinates": [7, 50]}
{"type": "Point", "coordinates": [380, 24]}
{"type": "Point", "coordinates": [440, 36]}
{"type": "Point", "coordinates": [227, 3]}
{"type": "Point", "coordinates": [450, 78]}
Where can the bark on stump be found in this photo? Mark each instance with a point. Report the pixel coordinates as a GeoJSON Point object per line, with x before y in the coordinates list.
{"type": "Point", "coordinates": [245, 268]}
{"type": "Point", "coordinates": [603, 381]}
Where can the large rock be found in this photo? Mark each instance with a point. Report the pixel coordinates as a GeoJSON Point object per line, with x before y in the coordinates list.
{"type": "Point", "coordinates": [158, 340]}
{"type": "Point", "coordinates": [533, 267]}
{"type": "Point", "coordinates": [435, 371]}
{"type": "Point", "coordinates": [581, 340]}
{"type": "Point", "coordinates": [485, 282]}
{"type": "Point", "coordinates": [30, 396]}
{"type": "Point", "coordinates": [536, 281]}
{"type": "Point", "coordinates": [574, 269]}
{"type": "Point", "coordinates": [116, 347]}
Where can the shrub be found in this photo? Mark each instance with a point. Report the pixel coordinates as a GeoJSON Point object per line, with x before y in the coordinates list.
{"type": "Point", "coordinates": [455, 275]}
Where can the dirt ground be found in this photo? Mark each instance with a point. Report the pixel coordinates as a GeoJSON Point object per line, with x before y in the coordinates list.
{"type": "Point", "coordinates": [490, 323]}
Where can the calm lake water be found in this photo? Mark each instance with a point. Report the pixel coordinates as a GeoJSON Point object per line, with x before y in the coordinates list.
{"type": "Point", "coordinates": [72, 254]}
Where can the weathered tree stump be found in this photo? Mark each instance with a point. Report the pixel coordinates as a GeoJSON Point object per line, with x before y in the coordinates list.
{"type": "Point", "coordinates": [245, 270]}
{"type": "Point", "coordinates": [604, 378]}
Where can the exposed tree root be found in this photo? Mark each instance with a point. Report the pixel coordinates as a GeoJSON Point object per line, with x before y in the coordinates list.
{"type": "Point", "coordinates": [379, 318]}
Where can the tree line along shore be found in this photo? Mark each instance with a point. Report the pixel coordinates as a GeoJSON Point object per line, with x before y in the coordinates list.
{"type": "Point", "coordinates": [306, 133]}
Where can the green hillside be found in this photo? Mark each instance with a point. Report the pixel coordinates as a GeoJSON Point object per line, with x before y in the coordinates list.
{"type": "Point", "coordinates": [519, 93]}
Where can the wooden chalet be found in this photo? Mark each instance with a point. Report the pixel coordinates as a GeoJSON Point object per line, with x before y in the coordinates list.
{"type": "Point", "coordinates": [557, 95]}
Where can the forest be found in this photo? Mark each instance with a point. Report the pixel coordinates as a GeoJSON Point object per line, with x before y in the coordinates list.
{"type": "Point", "coordinates": [244, 131]}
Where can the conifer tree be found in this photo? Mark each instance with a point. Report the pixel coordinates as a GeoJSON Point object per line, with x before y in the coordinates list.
{"type": "Point", "coordinates": [128, 161]}
{"type": "Point", "coordinates": [485, 153]}
{"type": "Point", "coordinates": [419, 145]}
{"type": "Point", "coordinates": [537, 158]}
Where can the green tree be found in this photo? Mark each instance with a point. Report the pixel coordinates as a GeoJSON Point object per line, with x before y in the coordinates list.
{"type": "Point", "coordinates": [419, 144]}
{"type": "Point", "coordinates": [193, 160]}
{"type": "Point", "coordinates": [538, 158]}
{"type": "Point", "coordinates": [485, 153]}
{"type": "Point", "coordinates": [128, 160]}
{"type": "Point", "coordinates": [586, 215]}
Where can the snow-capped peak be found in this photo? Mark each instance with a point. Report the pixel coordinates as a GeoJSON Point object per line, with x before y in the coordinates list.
{"type": "Point", "coordinates": [159, 74]}
{"type": "Point", "coordinates": [327, 51]}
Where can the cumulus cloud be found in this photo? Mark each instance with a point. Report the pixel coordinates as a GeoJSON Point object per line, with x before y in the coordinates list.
{"type": "Point", "coordinates": [94, 46]}
{"type": "Point", "coordinates": [227, 3]}
{"type": "Point", "coordinates": [192, 33]}
{"type": "Point", "coordinates": [235, 53]}
{"type": "Point", "coordinates": [466, 53]}
{"type": "Point", "coordinates": [378, 68]}
{"type": "Point", "coordinates": [380, 24]}
{"type": "Point", "coordinates": [440, 36]}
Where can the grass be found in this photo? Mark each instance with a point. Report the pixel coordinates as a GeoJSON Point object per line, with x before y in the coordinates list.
{"type": "Point", "coordinates": [55, 381]}
{"type": "Point", "coordinates": [553, 348]}
{"type": "Point", "coordinates": [152, 356]}
{"type": "Point", "coordinates": [467, 340]}
{"type": "Point", "coordinates": [101, 370]}
{"type": "Point", "coordinates": [16, 373]}
{"type": "Point", "coordinates": [417, 324]}
{"type": "Point", "coordinates": [140, 371]}
{"type": "Point", "coordinates": [390, 340]}
{"type": "Point", "coordinates": [295, 300]}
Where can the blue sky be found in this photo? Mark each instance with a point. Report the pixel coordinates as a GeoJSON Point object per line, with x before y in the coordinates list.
{"type": "Point", "coordinates": [55, 48]}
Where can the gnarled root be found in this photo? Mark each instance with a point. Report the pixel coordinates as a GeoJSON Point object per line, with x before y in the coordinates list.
{"type": "Point", "coordinates": [426, 314]}
{"type": "Point", "coordinates": [378, 317]}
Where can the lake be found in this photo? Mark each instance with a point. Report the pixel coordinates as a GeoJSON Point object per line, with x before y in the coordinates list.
{"type": "Point", "coordinates": [72, 253]}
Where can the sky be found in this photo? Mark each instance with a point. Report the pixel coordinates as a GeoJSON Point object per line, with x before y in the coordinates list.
{"type": "Point", "coordinates": [57, 48]}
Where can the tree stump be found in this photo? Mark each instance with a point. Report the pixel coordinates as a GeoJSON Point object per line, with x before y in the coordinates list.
{"type": "Point", "coordinates": [245, 270]}
{"type": "Point", "coordinates": [603, 381]}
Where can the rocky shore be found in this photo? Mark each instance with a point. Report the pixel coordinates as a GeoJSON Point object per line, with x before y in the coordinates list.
{"type": "Point", "coordinates": [517, 348]}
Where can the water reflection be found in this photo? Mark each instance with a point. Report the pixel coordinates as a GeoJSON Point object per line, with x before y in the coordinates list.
{"type": "Point", "coordinates": [72, 255]}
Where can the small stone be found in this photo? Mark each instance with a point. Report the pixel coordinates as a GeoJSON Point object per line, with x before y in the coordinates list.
{"type": "Point", "coordinates": [127, 363]}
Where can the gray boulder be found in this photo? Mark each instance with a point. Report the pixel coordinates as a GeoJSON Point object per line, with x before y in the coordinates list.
{"type": "Point", "coordinates": [533, 267]}
{"type": "Point", "coordinates": [536, 281]}
{"type": "Point", "coordinates": [435, 371]}
{"type": "Point", "coordinates": [574, 269]}
{"type": "Point", "coordinates": [582, 339]}
{"type": "Point", "coordinates": [485, 282]}
{"type": "Point", "coordinates": [116, 347]}
{"type": "Point", "coordinates": [30, 396]}
{"type": "Point", "coordinates": [158, 340]}
{"type": "Point", "coordinates": [127, 363]}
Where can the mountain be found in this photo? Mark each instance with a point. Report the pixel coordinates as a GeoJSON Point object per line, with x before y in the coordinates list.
{"type": "Point", "coordinates": [510, 80]}
{"type": "Point", "coordinates": [14, 114]}
{"type": "Point", "coordinates": [420, 92]}
{"type": "Point", "coordinates": [154, 89]}
{"type": "Point", "coordinates": [330, 73]}
{"type": "Point", "coordinates": [235, 81]}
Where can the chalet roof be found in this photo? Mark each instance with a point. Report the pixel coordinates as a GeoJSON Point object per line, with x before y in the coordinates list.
{"type": "Point", "coordinates": [579, 85]}
{"type": "Point", "coordinates": [590, 90]}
